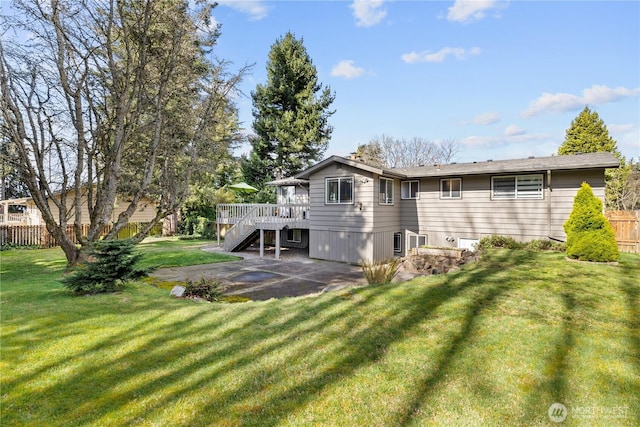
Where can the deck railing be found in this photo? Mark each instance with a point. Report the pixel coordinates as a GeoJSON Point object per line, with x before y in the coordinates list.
{"type": "Point", "coordinates": [246, 218]}
{"type": "Point", "coordinates": [13, 218]}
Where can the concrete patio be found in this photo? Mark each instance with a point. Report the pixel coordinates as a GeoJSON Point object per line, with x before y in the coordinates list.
{"type": "Point", "coordinates": [264, 278]}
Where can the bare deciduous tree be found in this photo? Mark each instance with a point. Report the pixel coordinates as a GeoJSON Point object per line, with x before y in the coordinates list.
{"type": "Point", "coordinates": [102, 98]}
{"type": "Point", "coordinates": [403, 153]}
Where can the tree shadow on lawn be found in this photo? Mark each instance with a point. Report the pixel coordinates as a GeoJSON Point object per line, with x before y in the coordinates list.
{"type": "Point", "coordinates": [631, 289]}
{"type": "Point", "coordinates": [227, 364]}
{"type": "Point", "coordinates": [371, 342]}
{"type": "Point", "coordinates": [580, 308]}
{"type": "Point", "coordinates": [554, 387]}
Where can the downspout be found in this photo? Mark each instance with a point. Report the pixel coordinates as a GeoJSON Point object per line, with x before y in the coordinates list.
{"type": "Point", "coordinates": [548, 196]}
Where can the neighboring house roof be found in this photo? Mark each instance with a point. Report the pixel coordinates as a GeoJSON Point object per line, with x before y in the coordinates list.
{"type": "Point", "coordinates": [531, 164]}
{"type": "Point", "coordinates": [20, 201]}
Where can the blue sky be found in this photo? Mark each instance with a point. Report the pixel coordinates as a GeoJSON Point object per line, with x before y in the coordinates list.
{"type": "Point", "coordinates": [504, 79]}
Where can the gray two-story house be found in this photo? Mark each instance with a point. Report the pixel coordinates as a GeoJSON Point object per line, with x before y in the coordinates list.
{"type": "Point", "coordinates": [349, 211]}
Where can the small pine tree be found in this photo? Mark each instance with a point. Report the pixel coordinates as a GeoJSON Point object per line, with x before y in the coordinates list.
{"type": "Point", "coordinates": [112, 263]}
{"type": "Point", "coordinates": [590, 237]}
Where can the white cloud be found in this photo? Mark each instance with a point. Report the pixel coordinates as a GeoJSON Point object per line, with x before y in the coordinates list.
{"type": "Point", "coordinates": [488, 118]}
{"type": "Point", "coordinates": [256, 9]}
{"type": "Point", "coordinates": [562, 102]}
{"type": "Point", "coordinates": [346, 69]}
{"type": "Point", "coordinates": [502, 140]}
{"type": "Point", "coordinates": [368, 12]}
{"type": "Point", "coordinates": [466, 11]}
{"type": "Point", "coordinates": [621, 128]}
{"type": "Point", "coordinates": [513, 130]}
{"type": "Point", "coordinates": [428, 56]}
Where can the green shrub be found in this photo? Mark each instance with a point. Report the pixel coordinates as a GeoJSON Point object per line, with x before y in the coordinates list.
{"type": "Point", "coordinates": [593, 245]}
{"type": "Point", "coordinates": [380, 272]}
{"type": "Point", "coordinates": [505, 242]}
{"type": "Point", "coordinates": [111, 263]}
{"type": "Point", "coordinates": [207, 289]}
{"type": "Point", "coordinates": [206, 228]}
{"type": "Point", "coordinates": [590, 237]}
{"type": "Point", "coordinates": [545, 245]}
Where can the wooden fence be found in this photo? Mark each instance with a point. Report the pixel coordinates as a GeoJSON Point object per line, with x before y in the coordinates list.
{"type": "Point", "coordinates": [626, 226]}
{"type": "Point", "coordinates": [37, 235]}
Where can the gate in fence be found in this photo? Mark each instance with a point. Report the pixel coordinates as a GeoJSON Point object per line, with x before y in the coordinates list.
{"type": "Point", "coordinates": [626, 226]}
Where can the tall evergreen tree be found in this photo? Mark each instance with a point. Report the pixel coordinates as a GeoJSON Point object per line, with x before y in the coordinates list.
{"type": "Point", "coordinates": [588, 134]}
{"type": "Point", "coordinates": [291, 113]}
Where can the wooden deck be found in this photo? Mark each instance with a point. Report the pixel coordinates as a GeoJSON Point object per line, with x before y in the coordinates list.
{"type": "Point", "coordinates": [247, 218]}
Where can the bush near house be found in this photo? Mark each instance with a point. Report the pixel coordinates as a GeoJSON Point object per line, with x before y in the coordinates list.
{"type": "Point", "coordinates": [380, 272]}
{"type": "Point", "coordinates": [508, 242]}
{"type": "Point", "coordinates": [590, 237]}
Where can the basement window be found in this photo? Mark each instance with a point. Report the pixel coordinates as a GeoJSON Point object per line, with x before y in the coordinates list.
{"type": "Point", "coordinates": [417, 240]}
{"type": "Point", "coordinates": [397, 242]}
{"type": "Point", "coordinates": [294, 235]}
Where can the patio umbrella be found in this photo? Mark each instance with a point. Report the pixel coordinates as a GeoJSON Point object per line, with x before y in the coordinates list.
{"type": "Point", "coordinates": [243, 187]}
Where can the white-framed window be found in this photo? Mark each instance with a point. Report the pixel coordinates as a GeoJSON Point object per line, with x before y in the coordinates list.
{"type": "Point", "coordinates": [386, 191]}
{"type": "Point", "coordinates": [339, 190]}
{"type": "Point", "coordinates": [294, 235]}
{"type": "Point", "coordinates": [451, 188]}
{"type": "Point", "coordinates": [288, 194]}
{"type": "Point", "coordinates": [409, 189]}
{"type": "Point", "coordinates": [397, 242]}
{"type": "Point", "coordinates": [517, 187]}
{"type": "Point", "coordinates": [417, 240]}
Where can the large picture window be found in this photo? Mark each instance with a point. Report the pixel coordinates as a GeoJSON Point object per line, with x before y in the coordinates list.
{"type": "Point", "coordinates": [517, 187]}
{"type": "Point", "coordinates": [451, 188]}
{"type": "Point", "coordinates": [386, 191]}
{"type": "Point", "coordinates": [339, 190]}
{"type": "Point", "coordinates": [410, 189]}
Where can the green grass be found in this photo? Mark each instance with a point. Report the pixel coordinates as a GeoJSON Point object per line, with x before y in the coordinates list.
{"type": "Point", "coordinates": [494, 344]}
{"type": "Point", "coordinates": [163, 252]}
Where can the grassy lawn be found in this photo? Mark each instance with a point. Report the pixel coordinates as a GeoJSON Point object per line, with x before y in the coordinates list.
{"type": "Point", "coordinates": [493, 344]}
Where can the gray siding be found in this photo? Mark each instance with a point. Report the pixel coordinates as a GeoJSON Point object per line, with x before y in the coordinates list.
{"type": "Point", "coordinates": [476, 215]}
{"type": "Point", "coordinates": [340, 245]}
{"type": "Point", "coordinates": [352, 232]}
{"type": "Point", "coordinates": [364, 229]}
{"type": "Point", "coordinates": [565, 185]}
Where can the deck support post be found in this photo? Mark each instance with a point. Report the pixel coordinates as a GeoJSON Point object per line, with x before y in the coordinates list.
{"type": "Point", "coordinates": [277, 244]}
{"type": "Point", "coordinates": [261, 242]}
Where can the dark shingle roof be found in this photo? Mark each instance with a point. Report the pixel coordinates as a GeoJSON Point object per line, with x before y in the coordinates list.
{"type": "Point", "coordinates": [531, 164]}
